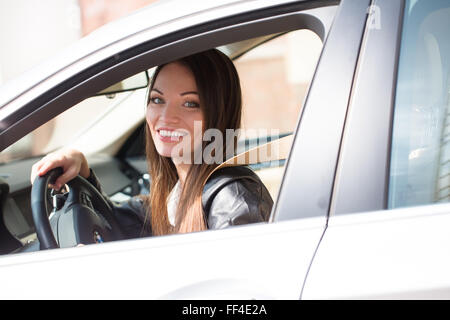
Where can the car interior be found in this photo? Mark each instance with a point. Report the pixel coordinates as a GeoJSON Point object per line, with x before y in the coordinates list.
{"type": "Point", "coordinates": [120, 162]}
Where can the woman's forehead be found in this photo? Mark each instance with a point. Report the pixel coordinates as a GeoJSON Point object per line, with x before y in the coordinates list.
{"type": "Point", "coordinates": [175, 76]}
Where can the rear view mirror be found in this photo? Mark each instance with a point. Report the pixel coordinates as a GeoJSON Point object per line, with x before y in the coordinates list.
{"type": "Point", "coordinates": [138, 81]}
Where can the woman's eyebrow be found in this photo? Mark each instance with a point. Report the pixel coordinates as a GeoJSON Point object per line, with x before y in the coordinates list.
{"type": "Point", "coordinates": [188, 92]}
{"type": "Point", "coordinates": [159, 91]}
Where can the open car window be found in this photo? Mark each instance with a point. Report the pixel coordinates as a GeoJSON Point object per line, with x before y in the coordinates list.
{"type": "Point", "coordinates": [107, 124]}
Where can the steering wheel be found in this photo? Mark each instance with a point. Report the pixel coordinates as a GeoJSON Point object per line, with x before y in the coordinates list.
{"type": "Point", "coordinates": [86, 217]}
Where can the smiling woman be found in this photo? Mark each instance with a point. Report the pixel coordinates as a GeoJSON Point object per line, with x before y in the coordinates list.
{"type": "Point", "coordinates": [203, 88]}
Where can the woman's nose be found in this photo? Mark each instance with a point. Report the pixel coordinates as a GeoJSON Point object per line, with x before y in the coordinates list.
{"type": "Point", "coordinates": [170, 112]}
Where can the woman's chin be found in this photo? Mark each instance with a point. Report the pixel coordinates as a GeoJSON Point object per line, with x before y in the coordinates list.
{"type": "Point", "coordinates": [165, 153]}
{"type": "Point", "coordinates": [174, 150]}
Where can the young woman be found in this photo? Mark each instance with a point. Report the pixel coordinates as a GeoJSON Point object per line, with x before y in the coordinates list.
{"type": "Point", "coordinates": [186, 98]}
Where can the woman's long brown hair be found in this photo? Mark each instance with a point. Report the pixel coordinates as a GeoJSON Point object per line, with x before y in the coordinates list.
{"type": "Point", "coordinates": [221, 102]}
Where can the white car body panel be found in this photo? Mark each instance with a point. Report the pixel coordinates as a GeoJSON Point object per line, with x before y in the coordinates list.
{"type": "Point", "coordinates": [264, 261]}
{"type": "Point", "coordinates": [392, 254]}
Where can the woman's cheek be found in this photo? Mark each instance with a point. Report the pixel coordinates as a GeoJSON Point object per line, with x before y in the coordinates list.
{"type": "Point", "coordinates": [150, 118]}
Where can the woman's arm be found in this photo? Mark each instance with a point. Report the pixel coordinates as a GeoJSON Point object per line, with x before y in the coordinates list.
{"type": "Point", "coordinates": [131, 213]}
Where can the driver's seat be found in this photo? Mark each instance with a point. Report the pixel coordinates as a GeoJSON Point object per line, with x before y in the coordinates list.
{"type": "Point", "coordinates": [8, 243]}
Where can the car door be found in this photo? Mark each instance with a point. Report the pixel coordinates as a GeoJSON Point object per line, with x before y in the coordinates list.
{"type": "Point", "coordinates": [387, 234]}
{"type": "Point", "coordinates": [255, 261]}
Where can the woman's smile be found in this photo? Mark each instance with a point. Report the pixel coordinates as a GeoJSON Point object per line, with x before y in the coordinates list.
{"type": "Point", "coordinates": [170, 135]}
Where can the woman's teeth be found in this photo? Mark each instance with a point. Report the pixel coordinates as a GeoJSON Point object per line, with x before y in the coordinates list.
{"type": "Point", "coordinates": [166, 133]}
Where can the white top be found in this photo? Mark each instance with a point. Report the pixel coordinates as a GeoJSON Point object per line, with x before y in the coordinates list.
{"type": "Point", "coordinates": [172, 202]}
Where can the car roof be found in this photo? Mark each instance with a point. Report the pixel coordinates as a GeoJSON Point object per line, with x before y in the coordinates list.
{"type": "Point", "coordinates": [155, 15]}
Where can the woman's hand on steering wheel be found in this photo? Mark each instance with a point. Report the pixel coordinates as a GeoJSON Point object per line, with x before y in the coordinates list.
{"type": "Point", "coordinates": [72, 161]}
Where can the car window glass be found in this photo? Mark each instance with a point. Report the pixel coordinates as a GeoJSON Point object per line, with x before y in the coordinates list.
{"type": "Point", "coordinates": [420, 160]}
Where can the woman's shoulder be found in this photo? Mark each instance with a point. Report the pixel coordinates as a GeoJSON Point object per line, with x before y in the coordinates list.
{"type": "Point", "coordinates": [235, 187]}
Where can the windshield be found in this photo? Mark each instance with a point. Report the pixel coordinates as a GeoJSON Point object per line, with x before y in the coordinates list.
{"type": "Point", "coordinates": [75, 125]}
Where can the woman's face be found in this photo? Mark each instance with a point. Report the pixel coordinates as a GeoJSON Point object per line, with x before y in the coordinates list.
{"type": "Point", "coordinates": [174, 110]}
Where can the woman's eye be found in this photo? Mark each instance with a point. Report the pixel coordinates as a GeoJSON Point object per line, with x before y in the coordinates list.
{"type": "Point", "coordinates": [156, 100]}
{"type": "Point", "coordinates": [191, 104]}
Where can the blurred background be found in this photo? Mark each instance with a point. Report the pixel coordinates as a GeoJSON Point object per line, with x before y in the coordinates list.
{"type": "Point", "coordinates": [33, 30]}
{"type": "Point", "coordinates": [278, 73]}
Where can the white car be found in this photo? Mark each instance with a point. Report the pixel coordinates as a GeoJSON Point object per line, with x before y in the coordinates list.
{"type": "Point", "coordinates": [362, 211]}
